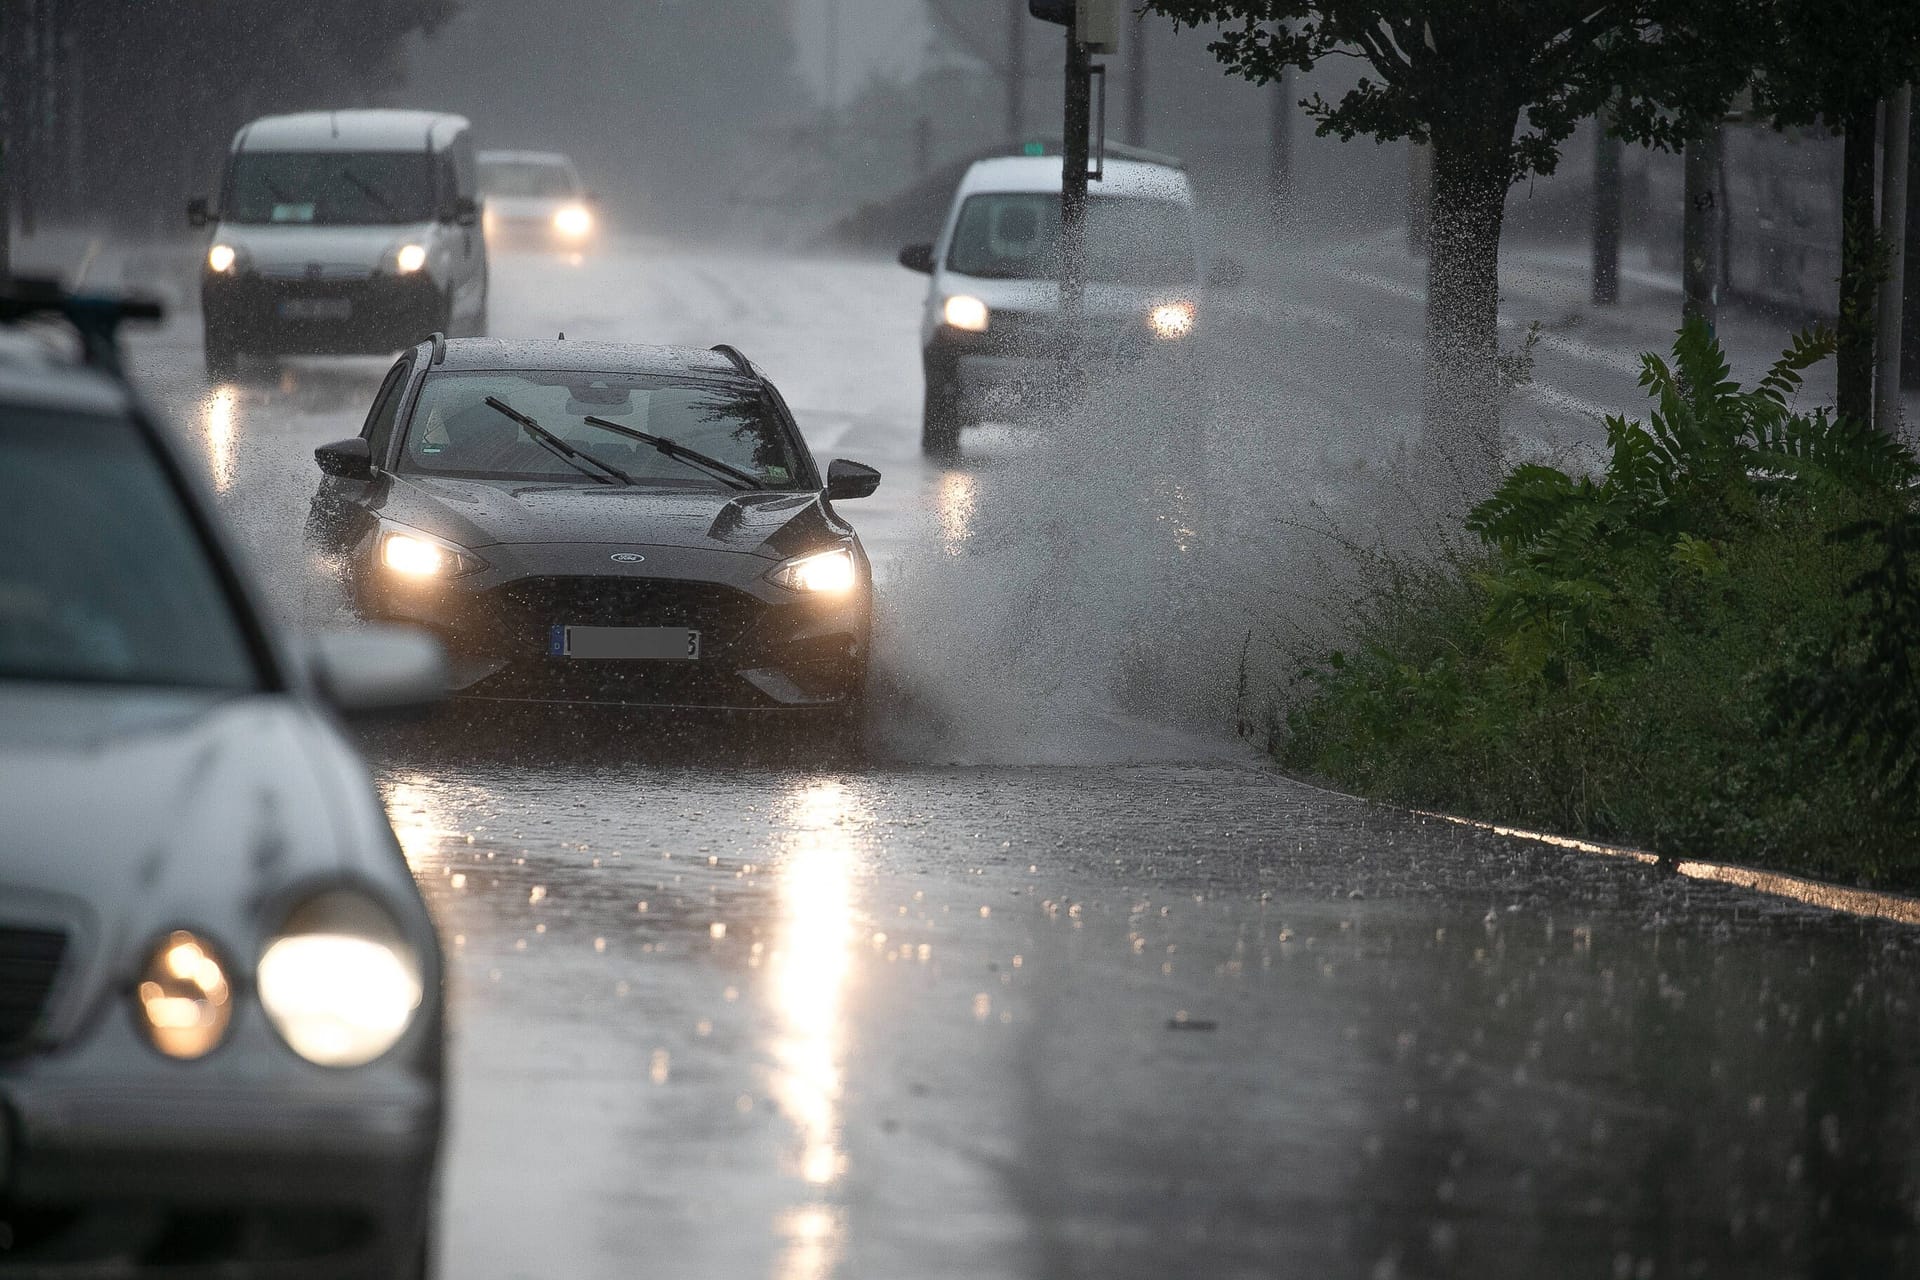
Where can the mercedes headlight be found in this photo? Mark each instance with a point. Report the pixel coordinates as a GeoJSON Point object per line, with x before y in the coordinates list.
{"type": "Point", "coordinates": [412, 554]}
{"type": "Point", "coordinates": [965, 312]}
{"type": "Point", "coordinates": [572, 221]}
{"type": "Point", "coordinates": [221, 259]}
{"type": "Point", "coordinates": [1172, 319]}
{"type": "Point", "coordinates": [410, 258]}
{"type": "Point", "coordinates": [823, 573]}
{"type": "Point", "coordinates": [185, 999]}
{"type": "Point", "coordinates": [338, 982]}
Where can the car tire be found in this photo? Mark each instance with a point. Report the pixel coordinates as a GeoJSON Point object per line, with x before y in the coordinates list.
{"type": "Point", "coordinates": [223, 358]}
{"type": "Point", "coordinates": [940, 421]}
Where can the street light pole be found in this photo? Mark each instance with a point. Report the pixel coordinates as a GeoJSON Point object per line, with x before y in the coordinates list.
{"type": "Point", "coordinates": [1073, 177]}
{"type": "Point", "coordinates": [1893, 285]}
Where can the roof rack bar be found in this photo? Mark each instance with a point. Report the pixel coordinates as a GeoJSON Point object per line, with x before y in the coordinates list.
{"type": "Point", "coordinates": [96, 317]}
{"type": "Point", "coordinates": [740, 362]}
{"type": "Point", "coordinates": [439, 341]}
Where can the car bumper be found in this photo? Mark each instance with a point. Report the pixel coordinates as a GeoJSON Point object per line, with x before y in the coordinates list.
{"type": "Point", "coordinates": [762, 649]}
{"type": "Point", "coordinates": [370, 315]}
{"type": "Point", "coordinates": [119, 1161]}
{"type": "Point", "coordinates": [1023, 363]}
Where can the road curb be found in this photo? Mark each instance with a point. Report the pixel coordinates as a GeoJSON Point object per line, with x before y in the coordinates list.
{"type": "Point", "coordinates": [1821, 894]}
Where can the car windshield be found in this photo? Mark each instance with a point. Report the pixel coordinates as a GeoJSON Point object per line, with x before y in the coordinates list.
{"type": "Point", "coordinates": [1016, 236]}
{"type": "Point", "coordinates": [536, 178]}
{"type": "Point", "coordinates": [330, 188]}
{"type": "Point", "coordinates": [454, 431]}
{"type": "Point", "coordinates": [103, 577]}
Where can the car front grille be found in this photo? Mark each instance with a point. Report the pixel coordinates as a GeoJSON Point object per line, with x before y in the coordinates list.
{"type": "Point", "coordinates": [29, 963]}
{"type": "Point", "coordinates": [526, 611]}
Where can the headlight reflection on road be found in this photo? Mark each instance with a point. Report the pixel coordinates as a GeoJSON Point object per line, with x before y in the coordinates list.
{"type": "Point", "coordinates": [417, 822]}
{"type": "Point", "coordinates": [222, 414]}
{"type": "Point", "coordinates": [808, 972]}
{"type": "Point", "coordinates": [956, 506]}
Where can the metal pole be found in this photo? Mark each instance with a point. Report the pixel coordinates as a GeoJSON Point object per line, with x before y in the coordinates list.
{"type": "Point", "coordinates": [1700, 230]}
{"type": "Point", "coordinates": [1073, 179]}
{"type": "Point", "coordinates": [831, 73]}
{"type": "Point", "coordinates": [1280, 145]}
{"type": "Point", "coordinates": [1893, 288]}
{"type": "Point", "coordinates": [1016, 69]}
{"type": "Point", "coordinates": [1137, 81]}
{"type": "Point", "coordinates": [1606, 214]}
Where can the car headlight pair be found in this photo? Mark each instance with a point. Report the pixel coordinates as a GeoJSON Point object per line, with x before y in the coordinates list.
{"type": "Point", "coordinates": [408, 553]}
{"type": "Point", "coordinates": [828, 573]}
{"type": "Point", "coordinates": [338, 983]}
{"type": "Point", "coordinates": [223, 259]}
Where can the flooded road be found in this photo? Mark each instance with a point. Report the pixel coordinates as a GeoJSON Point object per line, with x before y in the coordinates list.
{"type": "Point", "coordinates": [1054, 988]}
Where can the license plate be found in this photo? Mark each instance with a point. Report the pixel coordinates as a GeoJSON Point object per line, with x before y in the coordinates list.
{"type": "Point", "coordinates": [657, 644]}
{"type": "Point", "coordinates": [315, 309]}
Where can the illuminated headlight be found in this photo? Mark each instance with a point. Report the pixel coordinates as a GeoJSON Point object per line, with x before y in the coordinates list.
{"type": "Point", "coordinates": [220, 259]}
{"type": "Point", "coordinates": [416, 555]}
{"type": "Point", "coordinates": [410, 259]}
{"type": "Point", "coordinates": [573, 221]}
{"type": "Point", "coordinates": [966, 312]}
{"type": "Point", "coordinates": [185, 999]}
{"type": "Point", "coordinates": [338, 983]}
{"type": "Point", "coordinates": [823, 573]}
{"type": "Point", "coordinates": [1172, 319]}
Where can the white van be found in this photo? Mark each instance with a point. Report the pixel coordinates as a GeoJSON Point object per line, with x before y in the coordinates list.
{"type": "Point", "coordinates": [342, 231]}
{"type": "Point", "coordinates": [991, 329]}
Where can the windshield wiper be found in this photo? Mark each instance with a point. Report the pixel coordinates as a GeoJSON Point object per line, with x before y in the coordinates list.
{"type": "Point", "coordinates": [674, 449]}
{"type": "Point", "coordinates": [368, 188]}
{"type": "Point", "coordinates": [555, 444]}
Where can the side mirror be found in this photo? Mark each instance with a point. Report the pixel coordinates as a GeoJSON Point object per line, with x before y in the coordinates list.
{"type": "Point", "coordinates": [918, 257]}
{"type": "Point", "coordinates": [1226, 273]}
{"type": "Point", "coordinates": [378, 669]}
{"type": "Point", "coordinates": [199, 214]}
{"type": "Point", "coordinates": [850, 480]}
{"type": "Point", "coordinates": [466, 212]}
{"type": "Point", "coordinates": [350, 459]}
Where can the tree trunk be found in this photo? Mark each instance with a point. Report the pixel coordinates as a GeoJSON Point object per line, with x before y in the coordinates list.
{"type": "Point", "coordinates": [1606, 213]}
{"type": "Point", "coordinates": [1462, 394]}
{"type": "Point", "coordinates": [1859, 267]}
{"type": "Point", "coordinates": [1700, 223]}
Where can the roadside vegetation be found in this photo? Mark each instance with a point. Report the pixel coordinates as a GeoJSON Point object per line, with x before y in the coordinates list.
{"type": "Point", "coordinates": [1709, 648]}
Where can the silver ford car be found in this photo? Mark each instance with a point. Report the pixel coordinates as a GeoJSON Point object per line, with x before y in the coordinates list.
{"type": "Point", "coordinates": [220, 1006]}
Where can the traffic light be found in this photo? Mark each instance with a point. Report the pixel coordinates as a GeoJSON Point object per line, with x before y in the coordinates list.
{"type": "Point", "coordinates": [1060, 11]}
{"type": "Point", "coordinates": [1096, 22]}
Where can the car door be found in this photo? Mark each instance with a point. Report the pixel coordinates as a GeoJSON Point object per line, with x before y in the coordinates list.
{"type": "Point", "coordinates": [341, 509]}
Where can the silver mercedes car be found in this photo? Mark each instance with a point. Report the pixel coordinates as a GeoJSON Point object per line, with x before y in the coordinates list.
{"type": "Point", "coordinates": [220, 1005]}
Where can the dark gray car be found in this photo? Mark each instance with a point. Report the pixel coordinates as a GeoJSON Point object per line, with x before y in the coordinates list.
{"type": "Point", "coordinates": [220, 1004]}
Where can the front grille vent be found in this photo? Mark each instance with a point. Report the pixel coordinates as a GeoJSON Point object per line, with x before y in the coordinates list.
{"type": "Point", "coordinates": [29, 963]}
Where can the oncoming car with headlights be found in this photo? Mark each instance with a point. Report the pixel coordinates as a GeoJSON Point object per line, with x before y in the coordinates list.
{"type": "Point", "coordinates": [608, 524]}
{"type": "Point", "coordinates": [535, 199]}
{"type": "Point", "coordinates": [220, 1005]}
{"type": "Point", "coordinates": [992, 334]}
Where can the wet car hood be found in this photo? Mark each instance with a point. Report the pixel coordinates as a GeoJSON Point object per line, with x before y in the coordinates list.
{"type": "Point", "coordinates": [129, 812]}
{"type": "Point", "coordinates": [483, 513]}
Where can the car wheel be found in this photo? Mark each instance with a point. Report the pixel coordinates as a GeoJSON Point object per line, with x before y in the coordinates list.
{"type": "Point", "coordinates": [940, 422]}
{"type": "Point", "coordinates": [223, 358]}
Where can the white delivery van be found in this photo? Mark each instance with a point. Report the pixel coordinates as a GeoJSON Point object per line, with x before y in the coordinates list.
{"type": "Point", "coordinates": [342, 231]}
{"type": "Point", "coordinates": [992, 328]}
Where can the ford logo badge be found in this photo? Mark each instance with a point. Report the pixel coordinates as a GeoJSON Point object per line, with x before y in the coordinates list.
{"type": "Point", "coordinates": [628, 557]}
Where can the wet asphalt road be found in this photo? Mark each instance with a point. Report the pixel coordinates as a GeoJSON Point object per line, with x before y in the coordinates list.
{"type": "Point", "coordinates": [1109, 1000]}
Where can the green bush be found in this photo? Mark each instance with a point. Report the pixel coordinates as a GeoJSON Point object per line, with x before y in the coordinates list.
{"type": "Point", "coordinates": [1708, 649]}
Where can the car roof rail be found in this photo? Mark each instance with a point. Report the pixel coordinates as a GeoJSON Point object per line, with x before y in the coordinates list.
{"type": "Point", "coordinates": [96, 317]}
{"type": "Point", "coordinates": [739, 361]}
{"type": "Point", "coordinates": [439, 341]}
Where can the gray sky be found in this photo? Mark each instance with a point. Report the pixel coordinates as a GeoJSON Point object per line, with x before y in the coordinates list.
{"type": "Point", "coordinates": [877, 38]}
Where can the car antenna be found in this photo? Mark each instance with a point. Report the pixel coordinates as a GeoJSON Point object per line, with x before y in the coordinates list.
{"type": "Point", "coordinates": [439, 341]}
{"type": "Point", "coordinates": [733, 355]}
{"type": "Point", "coordinates": [562, 337]}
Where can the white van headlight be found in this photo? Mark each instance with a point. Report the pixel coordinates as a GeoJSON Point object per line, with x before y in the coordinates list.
{"type": "Point", "coordinates": [410, 259]}
{"type": "Point", "coordinates": [965, 312]}
{"type": "Point", "coordinates": [1172, 319]}
{"type": "Point", "coordinates": [339, 983]}
{"type": "Point", "coordinates": [221, 259]}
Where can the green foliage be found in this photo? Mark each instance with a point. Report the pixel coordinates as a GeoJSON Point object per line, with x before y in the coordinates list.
{"type": "Point", "coordinates": [1461, 74]}
{"type": "Point", "coordinates": [1708, 647]}
{"type": "Point", "coordinates": [1822, 61]}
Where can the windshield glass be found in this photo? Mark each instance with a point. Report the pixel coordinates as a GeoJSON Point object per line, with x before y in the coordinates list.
{"type": "Point", "coordinates": [525, 178]}
{"type": "Point", "coordinates": [102, 575]}
{"type": "Point", "coordinates": [455, 432]}
{"type": "Point", "coordinates": [1016, 236]}
{"type": "Point", "coordinates": [330, 188]}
